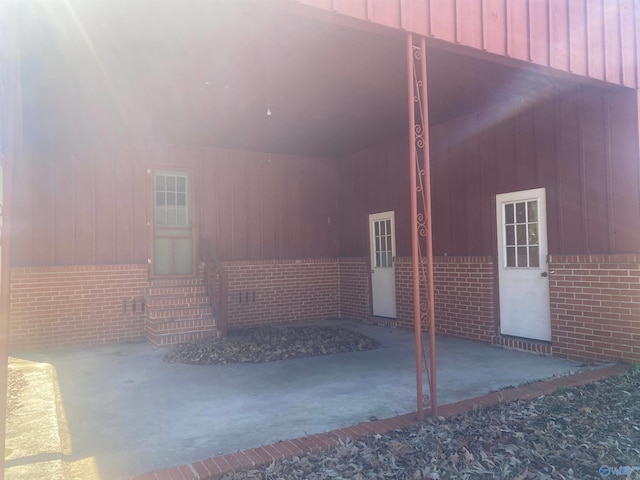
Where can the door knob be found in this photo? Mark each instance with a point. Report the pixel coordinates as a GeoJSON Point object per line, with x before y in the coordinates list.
{"type": "Point", "coordinates": [544, 274]}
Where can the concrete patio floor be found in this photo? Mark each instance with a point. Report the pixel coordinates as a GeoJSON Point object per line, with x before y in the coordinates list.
{"type": "Point", "coordinates": [121, 411]}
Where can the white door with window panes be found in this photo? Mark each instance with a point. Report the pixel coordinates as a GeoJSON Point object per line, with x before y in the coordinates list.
{"type": "Point", "coordinates": [172, 225]}
{"type": "Point", "coordinates": [523, 275]}
{"type": "Point", "coordinates": [383, 251]}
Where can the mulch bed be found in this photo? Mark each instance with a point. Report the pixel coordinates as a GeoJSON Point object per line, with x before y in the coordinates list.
{"type": "Point", "coordinates": [269, 344]}
{"type": "Point", "coordinates": [587, 432]}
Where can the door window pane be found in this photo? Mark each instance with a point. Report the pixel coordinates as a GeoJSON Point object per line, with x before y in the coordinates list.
{"type": "Point", "coordinates": [520, 215]}
{"type": "Point", "coordinates": [383, 244]}
{"type": "Point", "coordinates": [508, 213]}
{"type": "Point", "coordinates": [532, 211]}
{"type": "Point", "coordinates": [521, 231]}
{"type": "Point", "coordinates": [511, 256]}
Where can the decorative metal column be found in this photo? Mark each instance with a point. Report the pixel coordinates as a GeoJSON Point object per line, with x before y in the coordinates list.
{"type": "Point", "coordinates": [421, 232]}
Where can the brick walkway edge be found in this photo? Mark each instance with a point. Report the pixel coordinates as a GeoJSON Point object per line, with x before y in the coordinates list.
{"type": "Point", "coordinates": [215, 467]}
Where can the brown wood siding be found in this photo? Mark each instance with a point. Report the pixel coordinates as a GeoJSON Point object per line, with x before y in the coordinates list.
{"type": "Point", "coordinates": [582, 146]}
{"type": "Point", "coordinates": [89, 206]}
{"type": "Point", "coordinates": [592, 38]}
{"type": "Point", "coordinates": [373, 181]}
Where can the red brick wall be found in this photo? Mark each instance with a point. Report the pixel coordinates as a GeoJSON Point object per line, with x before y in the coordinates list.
{"type": "Point", "coordinates": [354, 288]}
{"type": "Point", "coordinates": [278, 291]}
{"type": "Point", "coordinates": [595, 306]}
{"type": "Point", "coordinates": [76, 305]}
{"type": "Point", "coordinates": [464, 296]}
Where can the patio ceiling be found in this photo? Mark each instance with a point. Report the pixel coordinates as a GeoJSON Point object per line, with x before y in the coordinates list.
{"type": "Point", "coordinates": [208, 73]}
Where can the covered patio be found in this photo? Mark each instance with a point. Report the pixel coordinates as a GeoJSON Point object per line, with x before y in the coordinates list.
{"type": "Point", "coordinates": [290, 128]}
{"type": "Point", "coordinates": [118, 411]}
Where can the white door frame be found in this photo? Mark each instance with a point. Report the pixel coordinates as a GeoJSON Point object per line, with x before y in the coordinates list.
{"type": "Point", "coordinates": [383, 281]}
{"type": "Point", "coordinates": [523, 274]}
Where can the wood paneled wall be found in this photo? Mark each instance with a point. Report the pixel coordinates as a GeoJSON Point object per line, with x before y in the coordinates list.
{"type": "Point", "coordinates": [89, 206]}
{"type": "Point", "coordinates": [592, 38]}
{"type": "Point", "coordinates": [582, 146]}
{"type": "Point", "coordinates": [374, 181]}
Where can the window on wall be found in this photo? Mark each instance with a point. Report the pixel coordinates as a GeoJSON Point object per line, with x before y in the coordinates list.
{"type": "Point", "coordinates": [522, 248]}
{"type": "Point", "coordinates": [171, 200]}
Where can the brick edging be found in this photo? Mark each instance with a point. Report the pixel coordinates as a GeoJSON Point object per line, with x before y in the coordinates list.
{"type": "Point", "coordinates": [214, 467]}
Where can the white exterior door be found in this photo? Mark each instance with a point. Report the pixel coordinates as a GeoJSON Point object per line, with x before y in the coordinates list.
{"type": "Point", "coordinates": [523, 275]}
{"type": "Point", "coordinates": [383, 250]}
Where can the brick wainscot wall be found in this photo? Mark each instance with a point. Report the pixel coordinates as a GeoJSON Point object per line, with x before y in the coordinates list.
{"type": "Point", "coordinates": [595, 306]}
{"type": "Point", "coordinates": [76, 305]}
{"type": "Point", "coordinates": [279, 291]}
{"type": "Point", "coordinates": [464, 296]}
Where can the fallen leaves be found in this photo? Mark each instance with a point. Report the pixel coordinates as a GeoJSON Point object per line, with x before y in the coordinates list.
{"type": "Point", "coordinates": [567, 435]}
{"type": "Point", "coordinates": [269, 344]}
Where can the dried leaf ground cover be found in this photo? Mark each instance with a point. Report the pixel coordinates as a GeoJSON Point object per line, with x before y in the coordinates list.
{"type": "Point", "coordinates": [586, 432]}
{"type": "Point", "coordinates": [269, 344]}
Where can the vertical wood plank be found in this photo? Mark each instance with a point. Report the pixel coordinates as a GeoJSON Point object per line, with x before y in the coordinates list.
{"type": "Point", "coordinates": [385, 12]}
{"type": "Point", "coordinates": [545, 128]}
{"type": "Point", "coordinates": [625, 170]}
{"type": "Point", "coordinates": [473, 189]}
{"type": "Point", "coordinates": [612, 42]}
{"type": "Point", "coordinates": [525, 151]}
{"type": "Point", "coordinates": [268, 208]}
{"type": "Point", "coordinates": [353, 8]}
{"type": "Point", "coordinates": [254, 228]}
{"type": "Point", "coordinates": [595, 175]}
{"type": "Point", "coordinates": [569, 166]}
{"type": "Point", "coordinates": [495, 34]}
{"type": "Point", "coordinates": [140, 162]}
{"type": "Point", "coordinates": [239, 195]}
{"type": "Point", "coordinates": [469, 23]}
{"type": "Point", "coordinates": [224, 195]}
{"type": "Point", "coordinates": [415, 16]}
{"type": "Point", "coordinates": [559, 33]}
{"type": "Point", "coordinates": [123, 205]}
{"type": "Point", "coordinates": [64, 209]}
{"type": "Point", "coordinates": [517, 30]}
{"type": "Point", "coordinates": [443, 20]}
{"type": "Point", "coordinates": [22, 227]}
{"type": "Point", "coordinates": [539, 31]}
{"type": "Point", "coordinates": [488, 156]}
{"type": "Point", "coordinates": [43, 213]}
{"type": "Point", "coordinates": [578, 46]}
{"type": "Point", "coordinates": [595, 40]}
{"type": "Point", "coordinates": [627, 43]}
{"type": "Point", "coordinates": [104, 204]}
{"type": "Point", "coordinates": [85, 213]}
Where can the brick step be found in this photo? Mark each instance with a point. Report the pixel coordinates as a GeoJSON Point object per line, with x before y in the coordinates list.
{"type": "Point", "coordinates": [169, 339]}
{"type": "Point", "coordinates": [157, 301]}
{"type": "Point", "coordinates": [179, 313]}
{"type": "Point", "coordinates": [177, 282]}
{"type": "Point", "coordinates": [176, 291]}
{"type": "Point", "coordinates": [172, 326]}
{"type": "Point", "coordinates": [170, 332]}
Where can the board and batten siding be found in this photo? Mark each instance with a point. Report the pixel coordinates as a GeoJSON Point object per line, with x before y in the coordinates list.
{"type": "Point", "coordinates": [88, 206]}
{"type": "Point", "coordinates": [591, 38]}
{"type": "Point", "coordinates": [581, 145]}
